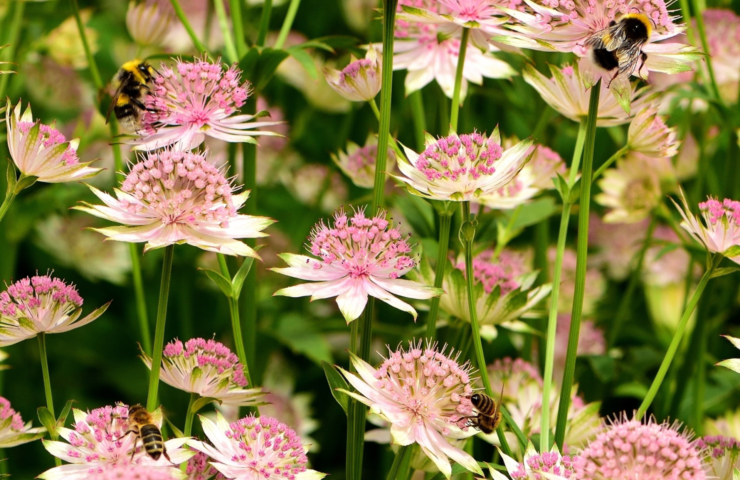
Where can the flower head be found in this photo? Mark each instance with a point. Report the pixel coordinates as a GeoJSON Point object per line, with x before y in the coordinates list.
{"type": "Point", "coordinates": [462, 167]}
{"type": "Point", "coordinates": [255, 448]}
{"type": "Point", "coordinates": [148, 22]}
{"type": "Point", "coordinates": [208, 368]}
{"type": "Point", "coordinates": [199, 469]}
{"type": "Point", "coordinates": [720, 230]}
{"type": "Point", "coordinates": [131, 472]}
{"type": "Point", "coordinates": [425, 394]}
{"type": "Point", "coordinates": [632, 190]}
{"type": "Point", "coordinates": [12, 429]}
{"type": "Point", "coordinates": [40, 304]}
{"type": "Point", "coordinates": [360, 80]}
{"type": "Point", "coordinates": [317, 185]}
{"type": "Point", "coordinates": [722, 28]}
{"type": "Point", "coordinates": [648, 451]}
{"type": "Point", "coordinates": [199, 99]}
{"type": "Point", "coordinates": [536, 466]}
{"type": "Point", "coordinates": [358, 256]}
{"type": "Point", "coordinates": [358, 163]}
{"type": "Point", "coordinates": [650, 136]}
{"type": "Point", "coordinates": [723, 455]}
{"type": "Point", "coordinates": [41, 151]}
{"type": "Point", "coordinates": [98, 443]}
{"type": "Point", "coordinates": [172, 197]}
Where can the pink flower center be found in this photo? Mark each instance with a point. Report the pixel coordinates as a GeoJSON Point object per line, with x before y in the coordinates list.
{"type": "Point", "coordinates": [726, 212]}
{"type": "Point", "coordinates": [455, 157]}
{"type": "Point", "coordinates": [494, 273]}
{"type": "Point", "coordinates": [50, 137]}
{"type": "Point", "coordinates": [35, 295]}
{"type": "Point", "coordinates": [5, 412]}
{"type": "Point", "coordinates": [208, 353]}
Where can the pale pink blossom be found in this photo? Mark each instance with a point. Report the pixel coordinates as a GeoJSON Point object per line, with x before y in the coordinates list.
{"type": "Point", "coordinates": [723, 456]}
{"type": "Point", "coordinates": [723, 36]}
{"type": "Point", "coordinates": [207, 368]}
{"type": "Point", "coordinates": [649, 135]}
{"type": "Point", "coordinates": [358, 163]}
{"type": "Point", "coordinates": [197, 99]}
{"type": "Point", "coordinates": [595, 282]}
{"type": "Point", "coordinates": [40, 304]}
{"type": "Point", "coordinates": [425, 395]}
{"type": "Point", "coordinates": [633, 189]}
{"type": "Point", "coordinates": [316, 185]}
{"type": "Point", "coordinates": [98, 443]}
{"type": "Point", "coordinates": [358, 256]}
{"type": "Point", "coordinates": [172, 197]}
{"type": "Point", "coordinates": [132, 472]}
{"type": "Point", "coordinates": [360, 80]}
{"type": "Point", "coordinates": [13, 431]}
{"type": "Point", "coordinates": [148, 23]}
{"type": "Point", "coordinates": [591, 341]}
{"type": "Point", "coordinates": [200, 469]}
{"type": "Point", "coordinates": [41, 151]}
{"type": "Point", "coordinates": [255, 449]}
{"type": "Point", "coordinates": [535, 466]}
{"type": "Point", "coordinates": [720, 230]}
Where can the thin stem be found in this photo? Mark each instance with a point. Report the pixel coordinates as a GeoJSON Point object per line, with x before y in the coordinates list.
{"type": "Point", "coordinates": [288, 23]}
{"type": "Point", "coordinates": [626, 302]}
{"type": "Point", "coordinates": [188, 28]}
{"type": "Point", "coordinates": [577, 153]}
{"type": "Point", "coordinates": [374, 106]}
{"type": "Point", "coordinates": [248, 297]}
{"type": "Point", "coordinates": [47, 383]}
{"type": "Point", "coordinates": [353, 405]}
{"type": "Point", "coordinates": [392, 141]}
{"type": "Point", "coordinates": [403, 457]}
{"type": "Point", "coordinates": [264, 23]}
{"type": "Point", "coordinates": [420, 121]}
{"type": "Point", "coordinates": [9, 197]}
{"type": "Point", "coordinates": [189, 416]}
{"type": "Point", "coordinates": [238, 25]}
{"type": "Point", "coordinates": [458, 79]}
{"type": "Point", "coordinates": [236, 326]}
{"type": "Point", "coordinates": [445, 221]}
{"type": "Point", "coordinates": [146, 336]}
{"type": "Point", "coordinates": [705, 47]}
{"type": "Point", "coordinates": [686, 18]}
{"type": "Point", "coordinates": [94, 73]}
{"type": "Point", "coordinates": [702, 333]}
{"type": "Point", "coordinates": [581, 259]}
{"type": "Point", "coordinates": [619, 154]}
{"type": "Point", "coordinates": [164, 293]}
{"type": "Point", "coordinates": [14, 31]}
{"type": "Point", "coordinates": [223, 22]}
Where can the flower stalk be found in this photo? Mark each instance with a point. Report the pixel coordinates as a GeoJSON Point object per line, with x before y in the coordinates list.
{"type": "Point", "coordinates": [699, 18]}
{"type": "Point", "coordinates": [264, 23]}
{"type": "Point", "coordinates": [619, 154]}
{"type": "Point", "coordinates": [9, 197]}
{"type": "Point", "coordinates": [420, 122]}
{"type": "Point", "coordinates": [454, 114]}
{"type": "Point", "coordinates": [14, 31]}
{"type": "Point", "coordinates": [47, 384]}
{"type": "Point", "coordinates": [287, 24]}
{"type": "Point", "coordinates": [445, 222]}
{"type": "Point", "coordinates": [235, 323]}
{"type": "Point", "coordinates": [146, 336]}
{"type": "Point", "coordinates": [400, 462]}
{"type": "Point", "coordinates": [191, 413]}
{"type": "Point", "coordinates": [94, 73]}
{"type": "Point", "coordinates": [223, 22]}
{"type": "Point", "coordinates": [238, 24]}
{"type": "Point", "coordinates": [164, 291]}
{"type": "Point", "coordinates": [186, 23]}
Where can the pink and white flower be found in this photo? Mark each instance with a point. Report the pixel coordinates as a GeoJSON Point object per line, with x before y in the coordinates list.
{"type": "Point", "coordinates": [147, 22]}
{"type": "Point", "coordinates": [550, 465]}
{"type": "Point", "coordinates": [41, 151]}
{"type": "Point", "coordinates": [631, 190]}
{"type": "Point", "coordinates": [425, 394]}
{"type": "Point", "coordinates": [132, 472]}
{"type": "Point", "coordinates": [172, 197]}
{"type": "Point", "coordinates": [200, 99]}
{"type": "Point", "coordinates": [722, 28]}
{"type": "Point", "coordinates": [723, 456]}
{"type": "Point", "coordinates": [13, 431]}
{"type": "Point", "coordinates": [649, 135]}
{"type": "Point", "coordinates": [254, 449]}
{"type": "Point", "coordinates": [207, 368]}
{"type": "Point", "coordinates": [358, 256]}
{"type": "Point", "coordinates": [199, 469]}
{"type": "Point", "coordinates": [359, 81]}
{"type": "Point", "coordinates": [40, 304]}
{"type": "Point", "coordinates": [358, 163]}
{"type": "Point", "coordinates": [462, 167]}
{"type": "Point", "coordinates": [720, 230]}
{"type": "Point", "coordinates": [98, 443]}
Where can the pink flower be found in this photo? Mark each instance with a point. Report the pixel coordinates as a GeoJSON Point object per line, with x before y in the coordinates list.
{"type": "Point", "coordinates": [199, 469]}
{"type": "Point", "coordinates": [131, 472]}
{"type": "Point", "coordinates": [650, 136]}
{"type": "Point", "coordinates": [358, 163]}
{"type": "Point", "coordinates": [173, 197]}
{"type": "Point", "coordinates": [359, 256]}
{"type": "Point", "coordinates": [720, 231]}
{"type": "Point", "coordinates": [360, 80]}
{"type": "Point", "coordinates": [13, 431]}
{"type": "Point", "coordinates": [536, 466]}
{"type": "Point", "coordinates": [41, 151]}
{"type": "Point", "coordinates": [207, 368]}
{"type": "Point", "coordinates": [40, 304]}
{"type": "Point", "coordinates": [425, 395]}
{"type": "Point", "coordinates": [723, 453]}
{"type": "Point", "coordinates": [629, 449]}
{"type": "Point", "coordinates": [148, 23]}
{"type": "Point", "coordinates": [200, 99]}
{"type": "Point", "coordinates": [255, 449]}
{"type": "Point", "coordinates": [723, 36]}
{"type": "Point", "coordinates": [98, 443]}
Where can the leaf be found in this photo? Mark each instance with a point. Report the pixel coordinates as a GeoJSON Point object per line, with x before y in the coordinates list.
{"type": "Point", "coordinates": [735, 341]}
{"type": "Point", "coordinates": [11, 179]}
{"type": "Point", "coordinates": [602, 366]}
{"type": "Point", "coordinates": [47, 420]}
{"type": "Point", "coordinates": [24, 182]}
{"type": "Point", "coordinates": [222, 282]}
{"type": "Point", "coordinates": [733, 251]}
{"type": "Point", "coordinates": [332, 42]}
{"type": "Point", "coordinates": [238, 281]}
{"type": "Point", "coordinates": [419, 213]}
{"type": "Point", "coordinates": [457, 469]}
{"type": "Point", "coordinates": [259, 66]}
{"type": "Point", "coordinates": [534, 212]}
{"type": "Point", "coordinates": [336, 380]}
{"type": "Point", "coordinates": [202, 402]}
{"type": "Point", "coordinates": [305, 60]}
{"type": "Point", "coordinates": [65, 413]}
{"type": "Point", "coordinates": [633, 389]}
{"type": "Point", "coordinates": [178, 433]}
{"type": "Point", "coordinates": [720, 272]}
{"type": "Point", "coordinates": [302, 337]}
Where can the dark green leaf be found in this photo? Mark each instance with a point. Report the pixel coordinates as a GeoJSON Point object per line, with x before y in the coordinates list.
{"type": "Point", "coordinates": [238, 281]}
{"type": "Point", "coordinates": [222, 282]}
{"type": "Point", "coordinates": [259, 66]}
{"type": "Point", "coordinates": [336, 380]}
{"type": "Point", "coordinates": [302, 337]}
{"type": "Point", "coordinates": [602, 366]}
{"type": "Point", "coordinates": [418, 213]}
{"type": "Point", "coordinates": [178, 433]}
{"type": "Point", "coordinates": [47, 420]}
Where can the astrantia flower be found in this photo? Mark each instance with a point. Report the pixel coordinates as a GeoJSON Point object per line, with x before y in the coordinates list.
{"type": "Point", "coordinates": [723, 453]}
{"type": "Point", "coordinates": [720, 230]}
{"type": "Point", "coordinates": [316, 185]}
{"type": "Point", "coordinates": [98, 443]}
{"type": "Point", "coordinates": [650, 136]}
{"type": "Point", "coordinates": [173, 197]}
{"type": "Point", "coordinates": [358, 163]}
{"type": "Point", "coordinates": [199, 99]}
{"type": "Point", "coordinates": [722, 28]}
{"type": "Point", "coordinates": [255, 449]}
{"type": "Point", "coordinates": [208, 368]}
{"type": "Point", "coordinates": [566, 92]}
{"type": "Point", "coordinates": [12, 429]}
{"type": "Point", "coordinates": [425, 394]}
{"type": "Point", "coordinates": [629, 449]}
{"type": "Point", "coordinates": [42, 151]}
{"type": "Point", "coordinates": [132, 472]}
{"type": "Point", "coordinates": [199, 468]}
{"type": "Point", "coordinates": [359, 256]}
{"type": "Point", "coordinates": [360, 80]}
{"type": "Point", "coordinates": [549, 465]}
{"type": "Point", "coordinates": [728, 425]}
{"type": "Point", "coordinates": [40, 304]}
{"type": "Point", "coordinates": [462, 167]}
{"type": "Point", "coordinates": [631, 190]}
{"type": "Point", "coordinates": [147, 22]}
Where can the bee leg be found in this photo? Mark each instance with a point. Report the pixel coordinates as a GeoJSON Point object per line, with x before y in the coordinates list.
{"type": "Point", "coordinates": [133, 450]}
{"type": "Point", "coordinates": [130, 431]}
{"type": "Point", "coordinates": [616, 74]}
{"type": "Point", "coordinates": [643, 59]}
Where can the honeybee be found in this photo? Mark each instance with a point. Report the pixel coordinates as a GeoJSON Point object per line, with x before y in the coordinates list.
{"type": "Point", "coordinates": [142, 425]}
{"type": "Point", "coordinates": [619, 46]}
{"type": "Point", "coordinates": [133, 80]}
{"type": "Point", "coordinates": [489, 413]}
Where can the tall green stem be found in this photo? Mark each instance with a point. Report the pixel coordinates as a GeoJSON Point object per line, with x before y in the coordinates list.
{"type": "Point", "coordinates": [94, 73]}
{"type": "Point", "coordinates": [458, 79]}
{"type": "Point", "coordinates": [705, 47]}
{"type": "Point", "coordinates": [146, 336]}
{"type": "Point", "coordinates": [248, 297]}
{"type": "Point", "coordinates": [445, 221]}
{"type": "Point", "coordinates": [189, 417]}
{"type": "Point", "coordinates": [288, 24]}
{"type": "Point", "coordinates": [238, 25]}
{"type": "Point", "coordinates": [14, 30]}
{"type": "Point", "coordinates": [400, 462]}
{"type": "Point", "coordinates": [420, 121]}
{"type": "Point", "coordinates": [236, 326]}
{"type": "Point", "coordinates": [47, 382]}
{"type": "Point", "coordinates": [223, 22]}
{"type": "Point", "coordinates": [164, 293]}
{"type": "Point", "coordinates": [264, 23]}
{"type": "Point", "coordinates": [658, 380]}
{"type": "Point", "coordinates": [619, 154]}
{"type": "Point", "coordinates": [188, 28]}
{"type": "Point", "coordinates": [581, 259]}
{"type": "Point", "coordinates": [9, 197]}
{"type": "Point", "coordinates": [702, 333]}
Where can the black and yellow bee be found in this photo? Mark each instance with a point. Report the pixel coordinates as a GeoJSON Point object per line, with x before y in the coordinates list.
{"type": "Point", "coordinates": [619, 46]}
{"type": "Point", "coordinates": [142, 425]}
{"type": "Point", "coordinates": [128, 102]}
{"type": "Point", "coordinates": [489, 412]}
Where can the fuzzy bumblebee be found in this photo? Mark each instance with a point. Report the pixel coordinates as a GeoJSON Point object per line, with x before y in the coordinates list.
{"type": "Point", "coordinates": [128, 103]}
{"type": "Point", "coordinates": [619, 46]}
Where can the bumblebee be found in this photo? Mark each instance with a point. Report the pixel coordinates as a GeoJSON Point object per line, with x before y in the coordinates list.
{"type": "Point", "coordinates": [489, 414]}
{"type": "Point", "coordinates": [619, 46]}
{"type": "Point", "coordinates": [133, 80]}
{"type": "Point", "coordinates": [142, 425]}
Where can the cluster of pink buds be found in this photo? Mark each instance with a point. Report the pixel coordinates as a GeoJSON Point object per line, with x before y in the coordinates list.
{"type": "Point", "coordinates": [454, 156]}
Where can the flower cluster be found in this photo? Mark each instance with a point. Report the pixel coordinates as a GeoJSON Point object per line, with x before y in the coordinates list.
{"type": "Point", "coordinates": [358, 163]}
{"type": "Point", "coordinates": [200, 469]}
{"type": "Point", "coordinates": [649, 135]}
{"type": "Point", "coordinates": [131, 472]}
{"type": "Point", "coordinates": [720, 231]}
{"type": "Point", "coordinates": [13, 431]}
{"type": "Point", "coordinates": [40, 304]}
{"type": "Point", "coordinates": [723, 453]}
{"type": "Point", "coordinates": [550, 465]}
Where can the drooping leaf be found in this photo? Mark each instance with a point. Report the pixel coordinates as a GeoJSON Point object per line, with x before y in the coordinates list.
{"type": "Point", "coordinates": [336, 380]}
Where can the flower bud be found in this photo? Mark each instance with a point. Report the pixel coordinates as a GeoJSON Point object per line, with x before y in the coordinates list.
{"type": "Point", "coordinates": [360, 80]}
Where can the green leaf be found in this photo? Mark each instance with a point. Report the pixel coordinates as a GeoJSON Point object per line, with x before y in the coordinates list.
{"type": "Point", "coordinates": [305, 60]}
{"type": "Point", "coordinates": [25, 182]}
{"type": "Point", "coordinates": [47, 420]}
{"type": "Point", "coordinates": [457, 469]}
{"type": "Point", "coordinates": [419, 213]}
{"type": "Point", "coordinates": [561, 185]}
{"type": "Point", "coordinates": [733, 251]}
{"type": "Point", "coordinates": [332, 42]}
{"type": "Point", "coordinates": [238, 281]}
{"type": "Point", "coordinates": [534, 212]}
{"type": "Point", "coordinates": [302, 337]}
{"type": "Point", "coordinates": [336, 380]}
{"type": "Point", "coordinates": [720, 272]}
{"type": "Point", "coordinates": [260, 65]}
{"type": "Point", "coordinates": [736, 474]}
{"type": "Point", "coordinates": [222, 282]}
{"type": "Point", "coordinates": [633, 389]}
{"type": "Point", "coordinates": [65, 413]}
{"type": "Point", "coordinates": [202, 402]}
{"type": "Point", "coordinates": [178, 433]}
{"type": "Point", "coordinates": [11, 179]}
{"type": "Point", "coordinates": [602, 366]}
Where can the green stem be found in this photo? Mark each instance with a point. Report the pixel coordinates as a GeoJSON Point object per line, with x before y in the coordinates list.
{"type": "Point", "coordinates": [94, 73]}
{"type": "Point", "coordinates": [420, 121]}
{"type": "Point", "coordinates": [353, 406]}
{"type": "Point", "coordinates": [9, 197]}
{"type": "Point", "coordinates": [189, 416]}
{"type": "Point", "coordinates": [619, 154]}
{"type": "Point", "coordinates": [705, 47]}
{"type": "Point", "coordinates": [458, 79]}
{"type": "Point", "coordinates": [164, 293]}
{"type": "Point", "coordinates": [223, 22]}
{"type": "Point", "coordinates": [248, 297]}
{"type": "Point", "coordinates": [677, 337]}
{"type": "Point", "coordinates": [702, 333]}
{"type": "Point", "coordinates": [356, 431]}
{"type": "Point", "coordinates": [47, 383]}
{"type": "Point", "coordinates": [188, 28]}
{"type": "Point", "coordinates": [626, 302]}
{"type": "Point", "coordinates": [400, 462]}
{"type": "Point", "coordinates": [391, 141]}
{"type": "Point", "coordinates": [577, 153]}
{"type": "Point", "coordinates": [238, 24]}
{"type": "Point", "coordinates": [264, 23]}
{"type": "Point", "coordinates": [581, 259]}
{"type": "Point", "coordinates": [288, 23]}
{"type": "Point", "coordinates": [13, 34]}
{"type": "Point", "coordinates": [445, 221]}
{"type": "Point", "coordinates": [686, 18]}
{"type": "Point", "coordinates": [235, 323]}
{"type": "Point", "coordinates": [146, 336]}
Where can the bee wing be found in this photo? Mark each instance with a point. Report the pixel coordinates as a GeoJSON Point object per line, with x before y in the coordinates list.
{"type": "Point", "coordinates": [628, 58]}
{"type": "Point", "coordinates": [113, 102]}
{"type": "Point", "coordinates": [609, 38]}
